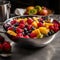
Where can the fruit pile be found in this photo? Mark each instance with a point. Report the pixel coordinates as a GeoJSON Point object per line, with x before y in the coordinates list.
{"type": "Point", "coordinates": [37, 10]}
{"type": "Point", "coordinates": [32, 27]}
{"type": "Point", "coordinates": [5, 46]}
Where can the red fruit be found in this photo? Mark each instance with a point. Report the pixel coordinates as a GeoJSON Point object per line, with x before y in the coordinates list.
{"type": "Point", "coordinates": [56, 29]}
{"type": "Point", "coordinates": [1, 47]}
{"type": "Point", "coordinates": [10, 28]}
{"type": "Point", "coordinates": [44, 12]}
{"type": "Point", "coordinates": [56, 25]}
{"type": "Point", "coordinates": [40, 24]}
{"type": "Point", "coordinates": [13, 22]}
{"type": "Point", "coordinates": [1, 39]}
{"type": "Point", "coordinates": [20, 35]}
{"type": "Point", "coordinates": [22, 22]}
{"type": "Point", "coordinates": [55, 21]}
{"type": "Point", "coordinates": [19, 30]}
{"type": "Point", "coordinates": [6, 46]}
{"type": "Point", "coordinates": [30, 20]}
{"type": "Point", "coordinates": [26, 36]}
{"type": "Point", "coordinates": [51, 27]}
{"type": "Point", "coordinates": [41, 19]}
{"type": "Point", "coordinates": [32, 35]}
{"type": "Point", "coordinates": [29, 27]}
{"type": "Point", "coordinates": [21, 26]}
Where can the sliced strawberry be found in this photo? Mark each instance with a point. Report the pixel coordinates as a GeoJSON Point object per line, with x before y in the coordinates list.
{"type": "Point", "coordinates": [40, 24]}
{"type": "Point", "coordinates": [30, 20]}
{"type": "Point", "coordinates": [21, 26]}
{"type": "Point", "coordinates": [26, 36]}
{"type": "Point", "coordinates": [20, 35]}
{"type": "Point", "coordinates": [10, 28]}
{"type": "Point", "coordinates": [29, 27]}
{"type": "Point", "coordinates": [13, 22]}
{"type": "Point", "coordinates": [19, 30]}
{"type": "Point", "coordinates": [32, 35]}
{"type": "Point", "coordinates": [22, 22]}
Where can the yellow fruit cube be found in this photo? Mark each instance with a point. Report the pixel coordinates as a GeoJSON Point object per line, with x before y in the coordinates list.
{"type": "Point", "coordinates": [34, 24]}
{"type": "Point", "coordinates": [11, 32]}
{"type": "Point", "coordinates": [44, 30]}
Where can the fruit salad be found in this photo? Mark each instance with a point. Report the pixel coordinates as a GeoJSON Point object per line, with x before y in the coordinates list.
{"type": "Point", "coordinates": [32, 27]}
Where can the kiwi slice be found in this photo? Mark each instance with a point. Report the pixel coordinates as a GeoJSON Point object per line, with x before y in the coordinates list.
{"type": "Point", "coordinates": [32, 12]}
{"type": "Point", "coordinates": [39, 8]}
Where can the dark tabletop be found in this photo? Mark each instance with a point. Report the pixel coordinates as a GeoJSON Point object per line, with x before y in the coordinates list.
{"type": "Point", "coordinates": [49, 52]}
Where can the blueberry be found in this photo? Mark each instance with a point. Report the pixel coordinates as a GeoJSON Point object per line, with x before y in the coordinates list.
{"type": "Point", "coordinates": [23, 33]}
{"type": "Point", "coordinates": [52, 32]}
{"type": "Point", "coordinates": [26, 32]}
{"type": "Point", "coordinates": [49, 33]}
{"type": "Point", "coordinates": [46, 35]}
{"type": "Point", "coordinates": [25, 29]}
{"type": "Point", "coordinates": [33, 28]}
{"type": "Point", "coordinates": [30, 31]}
{"type": "Point", "coordinates": [14, 29]}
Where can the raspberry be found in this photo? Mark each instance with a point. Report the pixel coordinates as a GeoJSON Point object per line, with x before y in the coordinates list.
{"type": "Point", "coordinates": [55, 21]}
{"type": "Point", "coordinates": [21, 26]}
{"type": "Point", "coordinates": [40, 24]}
{"type": "Point", "coordinates": [29, 21]}
{"type": "Point", "coordinates": [51, 27]}
{"type": "Point", "coordinates": [6, 46]}
{"type": "Point", "coordinates": [56, 29]}
{"type": "Point", "coordinates": [19, 30]}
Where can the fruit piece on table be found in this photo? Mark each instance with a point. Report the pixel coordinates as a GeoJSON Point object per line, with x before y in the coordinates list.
{"type": "Point", "coordinates": [43, 12]}
{"type": "Point", "coordinates": [39, 8]}
{"type": "Point", "coordinates": [29, 8]}
{"type": "Point", "coordinates": [32, 12]}
{"type": "Point", "coordinates": [11, 32]}
{"type": "Point", "coordinates": [6, 47]}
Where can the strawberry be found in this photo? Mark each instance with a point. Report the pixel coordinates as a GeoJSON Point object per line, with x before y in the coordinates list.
{"type": "Point", "coordinates": [40, 24]}
{"type": "Point", "coordinates": [22, 22]}
{"type": "Point", "coordinates": [32, 35]}
{"type": "Point", "coordinates": [30, 20]}
{"type": "Point", "coordinates": [29, 27]}
{"type": "Point", "coordinates": [20, 35]}
{"type": "Point", "coordinates": [21, 26]}
{"type": "Point", "coordinates": [13, 22]}
{"type": "Point", "coordinates": [19, 30]}
{"type": "Point", "coordinates": [10, 28]}
{"type": "Point", "coordinates": [26, 36]}
{"type": "Point", "coordinates": [6, 46]}
{"type": "Point", "coordinates": [1, 47]}
{"type": "Point", "coordinates": [1, 39]}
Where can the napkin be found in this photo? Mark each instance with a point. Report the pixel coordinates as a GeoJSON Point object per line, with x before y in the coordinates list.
{"type": "Point", "coordinates": [19, 11]}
